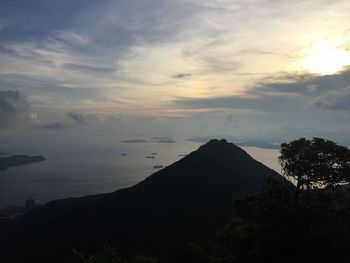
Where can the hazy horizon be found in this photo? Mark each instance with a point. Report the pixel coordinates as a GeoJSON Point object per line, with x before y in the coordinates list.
{"type": "Point", "coordinates": [83, 169]}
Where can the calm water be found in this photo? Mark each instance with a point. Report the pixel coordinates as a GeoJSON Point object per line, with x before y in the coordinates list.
{"type": "Point", "coordinates": [80, 169]}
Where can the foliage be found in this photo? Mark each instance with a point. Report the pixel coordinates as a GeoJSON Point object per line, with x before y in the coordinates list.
{"type": "Point", "coordinates": [315, 163]}
{"type": "Point", "coordinates": [271, 227]}
{"type": "Point", "coordinates": [110, 254]}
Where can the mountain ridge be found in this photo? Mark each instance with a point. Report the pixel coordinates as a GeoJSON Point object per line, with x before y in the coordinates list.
{"type": "Point", "coordinates": [185, 201]}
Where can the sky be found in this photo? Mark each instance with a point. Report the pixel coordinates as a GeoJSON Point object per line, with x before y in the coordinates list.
{"type": "Point", "coordinates": [266, 70]}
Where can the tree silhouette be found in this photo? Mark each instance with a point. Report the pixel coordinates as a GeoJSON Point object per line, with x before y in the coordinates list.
{"type": "Point", "coordinates": [315, 163]}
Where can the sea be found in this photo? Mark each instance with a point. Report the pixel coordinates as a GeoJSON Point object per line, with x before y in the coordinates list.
{"type": "Point", "coordinates": [79, 169]}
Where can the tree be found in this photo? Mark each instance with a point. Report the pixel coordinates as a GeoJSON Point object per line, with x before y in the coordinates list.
{"type": "Point", "coordinates": [272, 228]}
{"type": "Point", "coordinates": [315, 163]}
{"type": "Point", "coordinates": [110, 254]}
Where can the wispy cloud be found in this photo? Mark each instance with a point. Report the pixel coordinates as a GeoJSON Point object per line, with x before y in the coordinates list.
{"type": "Point", "coordinates": [182, 75]}
{"type": "Point", "coordinates": [88, 69]}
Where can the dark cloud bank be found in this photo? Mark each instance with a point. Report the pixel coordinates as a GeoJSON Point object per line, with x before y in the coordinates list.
{"type": "Point", "coordinates": [283, 92]}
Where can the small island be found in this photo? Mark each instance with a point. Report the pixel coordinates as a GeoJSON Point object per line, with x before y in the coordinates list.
{"type": "Point", "coordinates": [18, 160]}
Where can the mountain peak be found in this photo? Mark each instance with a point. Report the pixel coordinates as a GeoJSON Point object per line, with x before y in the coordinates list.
{"type": "Point", "coordinates": [222, 149]}
{"type": "Point", "coordinates": [187, 200]}
{"type": "Point", "coordinates": [223, 143]}
{"type": "Point", "coordinates": [216, 142]}
{"type": "Point", "coordinates": [219, 144]}
{"type": "Point", "coordinates": [215, 164]}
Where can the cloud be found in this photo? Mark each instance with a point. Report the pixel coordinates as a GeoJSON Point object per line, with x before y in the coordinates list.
{"type": "Point", "coordinates": [221, 65]}
{"type": "Point", "coordinates": [108, 56]}
{"type": "Point", "coordinates": [328, 92]}
{"type": "Point", "coordinates": [163, 139]}
{"type": "Point", "coordinates": [182, 76]}
{"type": "Point", "coordinates": [225, 102]}
{"type": "Point", "coordinates": [281, 100]}
{"type": "Point", "coordinates": [54, 126]}
{"type": "Point", "coordinates": [78, 118]}
{"type": "Point", "coordinates": [88, 69]}
{"type": "Point", "coordinates": [49, 93]}
{"type": "Point", "coordinates": [259, 144]}
{"type": "Point", "coordinates": [304, 84]}
{"type": "Point", "coordinates": [13, 107]}
{"type": "Point", "coordinates": [283, 92]}
{"type": "Point", "coordinates": [339, 100]}
{"type": "Point", "coordinates": [22, 25]}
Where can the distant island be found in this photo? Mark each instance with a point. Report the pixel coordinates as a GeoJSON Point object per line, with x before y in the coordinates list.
{"type": "Point", "coordinates": [18, 160]}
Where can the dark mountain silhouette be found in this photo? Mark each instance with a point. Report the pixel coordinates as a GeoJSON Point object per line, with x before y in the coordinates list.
{"type": "Point", "coordinates": [185, 201]}
{"type": "Point", "coordinates": [18, 160]}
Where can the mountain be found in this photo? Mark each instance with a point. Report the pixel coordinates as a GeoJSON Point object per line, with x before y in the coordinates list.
{"type": "Point", "coordinates": [239, 142]}
{"type": "Point", "coordinates": [18, 160]}
{"type": "Point", "coordinates": [187, 200]}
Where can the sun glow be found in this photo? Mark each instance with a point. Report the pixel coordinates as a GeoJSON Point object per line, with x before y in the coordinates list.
{"type": "Point", "coordinates": [326, 57]}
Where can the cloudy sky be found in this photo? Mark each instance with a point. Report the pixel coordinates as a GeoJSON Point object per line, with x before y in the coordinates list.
{"type": "Point", "coordinates": [251, 69]}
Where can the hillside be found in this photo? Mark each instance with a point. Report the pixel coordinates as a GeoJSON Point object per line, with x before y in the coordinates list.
{"type": "Point", "coordinates": [185, 201]}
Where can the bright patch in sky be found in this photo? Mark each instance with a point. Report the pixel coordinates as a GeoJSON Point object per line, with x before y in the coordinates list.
{"type": "Point", "coordinates": [326, 57]}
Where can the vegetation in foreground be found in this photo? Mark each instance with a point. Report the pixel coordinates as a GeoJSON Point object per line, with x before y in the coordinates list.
{"type": "Point", "coordinates": [308, 223]}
